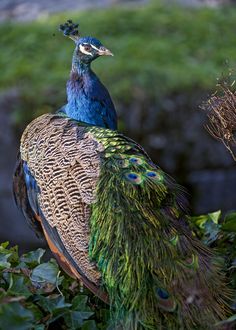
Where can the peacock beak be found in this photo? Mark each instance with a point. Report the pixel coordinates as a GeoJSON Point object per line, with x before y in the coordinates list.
{"type": "Point", "coordinates": [104, 51]}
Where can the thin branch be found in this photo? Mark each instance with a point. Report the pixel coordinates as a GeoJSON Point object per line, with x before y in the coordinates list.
{"type": "Point", "coordinates": [221, 112]}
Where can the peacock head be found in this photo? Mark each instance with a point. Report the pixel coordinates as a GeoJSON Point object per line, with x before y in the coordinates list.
{"type": "Point", "coordinates": [87, 49]}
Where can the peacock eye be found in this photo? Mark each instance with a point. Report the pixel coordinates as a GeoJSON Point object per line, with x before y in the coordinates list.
{"type": "Point", "coordinates": [87, 48]}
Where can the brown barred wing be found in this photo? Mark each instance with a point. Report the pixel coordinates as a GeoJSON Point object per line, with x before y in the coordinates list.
{"type": "Point", "coordinates": [64, 160]}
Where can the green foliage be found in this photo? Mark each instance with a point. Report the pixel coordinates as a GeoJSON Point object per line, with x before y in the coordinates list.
{"type": "Point", "coordinates": [207, 226]}
{"type": "Point", "coordinates": [220, 233]}
{"type": "Point", "coordinates": [159, 50]}
{"type": "Point", "coordinates": [34, 295]}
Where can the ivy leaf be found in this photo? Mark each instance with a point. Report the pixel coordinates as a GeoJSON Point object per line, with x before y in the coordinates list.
{"type": "Point", "coordinates": [230, 216]}
{"type": "Point", "coordinates": [4, 260]}
{"type": "Point", "coordinates": [89, 325]}
{"type": "Point", "coordinates": [201, 220]}
{"type": "Point", "coordinates": [39, 327]}
{"type": "Point", "coordinates": [230, 222]}
{"type": "Point", "coordinates": [14, 316]}
{"type": "Point", "coordinates": [36, 307]}
{"type": "Point", "coordinates": [52, 303]}
{"type": "Point", "coordinates": [33, 257]}
{"type": "Point", "coordinates": [211, 232]}
{"type": "Point", "coordinates": [55, 305]}
{"type": "Point", "coordinates": [6, 254]}
{"type": "Point", "coordinates": [18, 286]}
{"type": "Point", "coordinates": [79, 302]}
{"type": "Point", "coordinates": [75, 319]}
{"type": "Point", "coordinates": [229, 226]}
{"type": "Point", "coordinates": [38, 315]}
{"type": "Point", "coordinates": [207, 226]}
{"type": "Point", "coordinates": [46, 272]}
{"type": "Point", "coordinates": [4, 245]}
{"type": "Point", "coordinates": [215, 216]}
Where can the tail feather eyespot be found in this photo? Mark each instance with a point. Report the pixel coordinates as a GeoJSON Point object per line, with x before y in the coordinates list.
{"type": "Point", "coordinates": [155, 176]}
{"type": "Point", "coordinates": [165, 301]}
{"type": "Point", "coordinates": [192, 262]}
{"type": "Point", "coordinates": [135, 160]}
{"type": "Point", "coordinates": [163, 294]}
{"type": "Point", "coordinates": [134, 178]}
{"type": "Point", "coordinates": [123, 163]}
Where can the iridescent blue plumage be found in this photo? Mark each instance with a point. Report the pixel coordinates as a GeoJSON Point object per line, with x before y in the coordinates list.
{"type": "Point", "coordinates": [88, 99]}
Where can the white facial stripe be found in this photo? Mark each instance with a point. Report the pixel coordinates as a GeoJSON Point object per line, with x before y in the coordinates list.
{"type": "Point", "coordinates": [81, 48]}
{"type": "Point", "coordinates": [95, 47]}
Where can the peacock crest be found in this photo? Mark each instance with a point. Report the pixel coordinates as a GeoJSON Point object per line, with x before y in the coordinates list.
{"type": "Point", "coordinates": [70, 29]}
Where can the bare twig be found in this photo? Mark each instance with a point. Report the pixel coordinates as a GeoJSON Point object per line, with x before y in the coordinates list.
{"type": "Point", "coordinates": [221, 112]}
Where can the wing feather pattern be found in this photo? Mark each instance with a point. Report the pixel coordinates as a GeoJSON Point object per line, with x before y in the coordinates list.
{"type": "Point", "coordinates": [64, 161]}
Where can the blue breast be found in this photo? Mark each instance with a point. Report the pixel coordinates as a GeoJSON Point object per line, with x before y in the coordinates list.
{"type": "Point", "coordinates": [90, 102]}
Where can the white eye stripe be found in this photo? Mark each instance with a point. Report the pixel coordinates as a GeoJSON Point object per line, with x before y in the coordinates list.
{"type": "Point", "coordinates": [95, 47]}
{"type": "Point", "coordinates": [82, 49]}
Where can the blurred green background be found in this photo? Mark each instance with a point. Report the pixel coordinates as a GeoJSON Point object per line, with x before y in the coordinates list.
{"type": "Point", "coordinates": [167, 60]}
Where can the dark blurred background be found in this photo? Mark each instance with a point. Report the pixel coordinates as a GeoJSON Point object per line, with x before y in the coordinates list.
{"type": "Point", "coordinates": [168, 56]}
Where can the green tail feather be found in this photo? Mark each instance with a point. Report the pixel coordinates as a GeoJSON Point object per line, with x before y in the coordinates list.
{"type": "Point", "coordinates": [157, 274]}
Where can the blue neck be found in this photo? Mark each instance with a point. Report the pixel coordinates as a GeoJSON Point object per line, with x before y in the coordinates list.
{"type": "Point", "coordinates": [88, 99]}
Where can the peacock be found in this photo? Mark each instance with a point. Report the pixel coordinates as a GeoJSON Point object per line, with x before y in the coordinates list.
{"type": "Point", "coordinates": [113, 219]}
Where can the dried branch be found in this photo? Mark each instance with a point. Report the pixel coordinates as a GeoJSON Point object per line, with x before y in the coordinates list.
{"type": "Point", "coordinates": [221, 112]}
